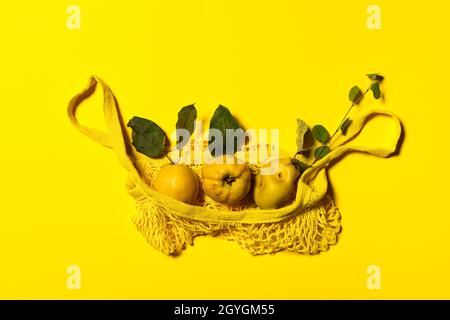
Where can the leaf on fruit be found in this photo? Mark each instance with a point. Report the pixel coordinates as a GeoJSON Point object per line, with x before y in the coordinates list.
{"type": "Point", "coordinates": [321, 152]}
{"type": "Point", "coordinates": [345, 126]}
{"type": "Point", "coordinates": [355, 94]}
{"type": "Point", "coordinates": [147, 137]}
{"type": "Point", "coordinates": [304, 137]}
{"type": "Point", "coordinates": [320, 133]}
{"type": "Point", "coordinates": [375, 87]}
{"type": "Point", "coordinates": [186, 120]}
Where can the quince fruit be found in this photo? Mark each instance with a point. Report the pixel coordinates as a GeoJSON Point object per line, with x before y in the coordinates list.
{"type": "Point", "coordinates": [274, 190]}
{"type": "Point", "coordinates": [178, 181]}
{"type": "Point", "coordinates": [225, 180]}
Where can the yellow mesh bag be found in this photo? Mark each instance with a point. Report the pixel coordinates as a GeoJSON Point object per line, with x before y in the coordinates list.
{"type": "Point", "coordinates": [310, 224]}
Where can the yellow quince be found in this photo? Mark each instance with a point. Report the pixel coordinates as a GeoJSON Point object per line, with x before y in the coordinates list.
{"type": "Point", "coordinates": [275, 190]}
{"type": "Point", "coordinates": [178, 181]}
{"type": "Point", "coordinates": [225, 180]}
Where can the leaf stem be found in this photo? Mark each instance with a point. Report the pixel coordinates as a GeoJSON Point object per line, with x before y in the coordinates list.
{"type": "Point", "coordinates": [348, 111]}
{"type": "Point", "coordinates": [345, 116]}
{"type": "Point", "coordinates": [342, 121]}
{"type": "Point", "coordinates": [165, 154]}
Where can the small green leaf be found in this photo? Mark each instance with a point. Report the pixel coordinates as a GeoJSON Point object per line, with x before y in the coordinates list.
{"type": "Point", "coordinates": [304, 138]}
{"type": "Point", "coordinates": [301, 166]}
{"type": "Point", "coordinates": [186, 120]}
{"type": "Point", "coordinates": [321, 152]}
{"type": "Point", "coordinates": [375, 87]}
{"type": "Point", "coordinates": [320, 133]}
{"type": "Point", "coordinates": [222, 120]}
{"type": "Point", "coordinates": [375, 76]}
{"type": "Point", "coordinates": [355, 94]}
{"type": "Point", "coordinates": [345, 126]}
{"type": "Point", "coordinates": [147, 137]}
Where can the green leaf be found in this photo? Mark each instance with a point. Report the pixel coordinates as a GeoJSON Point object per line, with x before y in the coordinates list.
{"type": "Point", "coordinates": [375, 87]}
{"type": "Point", "coordinates": [186, 120]}
{"type": "Point", "coordinates": [321, 152]}
{"type": "Point", "coordinates": [222, 120]}
{"type": "Point", "coordinates": [320, 133]}
{"type": "Point", "coordinates": [304, 138]}
{"type": "Point", "coordinates": [375, 76]}
{"type": "Point", "coordinates": [147, 137]}
{"type": "Point", "coordinates": [355, 94]}
{"type": "Point", "coordinates": [345, 126]}
{"type": "Point", "coordinates": [301, 166]}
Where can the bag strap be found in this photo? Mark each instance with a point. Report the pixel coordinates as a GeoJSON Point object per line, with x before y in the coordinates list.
{"type": "Point", "coordinates": [341, 144]}
{"type": "Point", "coordinates": [100, 137]}
{"type": "Point", "coordinates": [115, 137]}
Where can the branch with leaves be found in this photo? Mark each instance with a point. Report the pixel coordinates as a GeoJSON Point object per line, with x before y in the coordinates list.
{"type": "Point", "coordinates": [306, 139]}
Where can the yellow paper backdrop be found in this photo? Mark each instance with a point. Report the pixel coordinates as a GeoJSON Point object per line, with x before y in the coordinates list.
{"type": "Point", "coordinates": [62, 196]}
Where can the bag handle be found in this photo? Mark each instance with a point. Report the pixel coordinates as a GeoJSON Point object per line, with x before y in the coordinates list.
{"type": "Point", "coordinates": [340, 144]}
{"type": "Point", "coordinates": [98, 136]}
{"type": "Point", "coordinates": [115, 137]}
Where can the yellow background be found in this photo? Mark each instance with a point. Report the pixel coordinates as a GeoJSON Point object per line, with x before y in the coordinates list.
{"type": "Point", "coordinates": [62, 196]}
